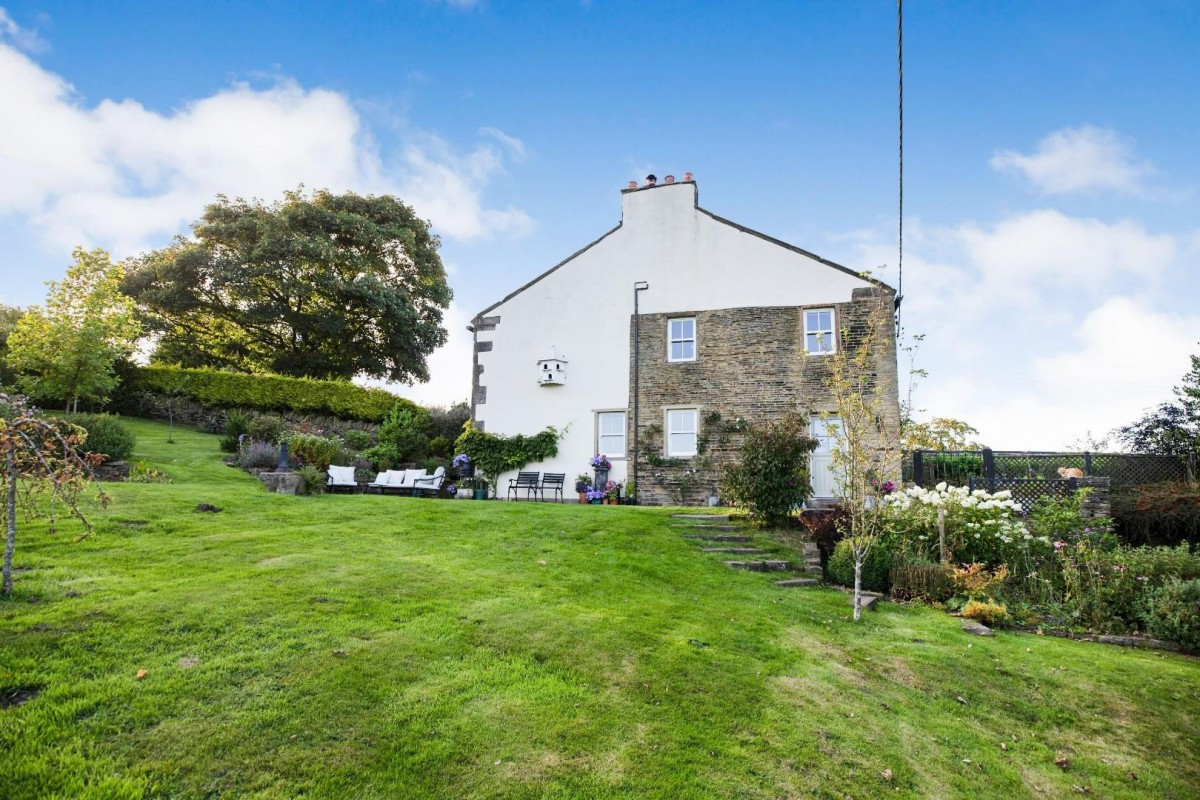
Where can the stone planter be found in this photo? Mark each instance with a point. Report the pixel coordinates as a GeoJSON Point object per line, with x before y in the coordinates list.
{"type": "Point", "coordinates": [601, 478]}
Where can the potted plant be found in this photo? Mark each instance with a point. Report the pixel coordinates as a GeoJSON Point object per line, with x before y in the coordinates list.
{"type": "Point", "coordinates": [601, 465]}
{"type": "Point", "coordinates": [612, 493]}
{"type": "Point", "coordinates": [480, 485]}
{"type": "Point", "coordinates": [595, 496]}
{"type": "Point", "coordinates": [462, 463]}
{"type": "Point", "coordinates": [583, 485]}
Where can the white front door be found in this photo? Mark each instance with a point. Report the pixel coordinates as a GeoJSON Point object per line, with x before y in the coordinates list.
{"type": "Point", "coordinates": [826, 432]}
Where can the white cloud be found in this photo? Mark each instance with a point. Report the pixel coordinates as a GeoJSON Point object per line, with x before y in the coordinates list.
{"type": "Point", "coordinates": [1041, 327]}
{"type": "Point", "coordinates": [1123, 358]}
{"type": "Point", "coordinates": [1048, 249]}
{"type": "Point", "coordinates": [1076, 159]}
{"type": "Point", "coordinates": [125, 177]}
{"type": "Point", "coordinates": [22, 38]}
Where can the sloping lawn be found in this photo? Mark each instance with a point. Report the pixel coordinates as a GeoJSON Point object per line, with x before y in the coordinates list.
{"type": "Point", "coordinates": [385, 647]}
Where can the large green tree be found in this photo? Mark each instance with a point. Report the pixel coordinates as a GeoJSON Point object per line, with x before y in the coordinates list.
{"type": "Point", "coordinates": [68, 350]}
{"type": "Point", "coordinates": [320, 286]}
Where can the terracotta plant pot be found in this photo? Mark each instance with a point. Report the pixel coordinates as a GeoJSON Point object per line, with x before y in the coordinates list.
{"type": "Point", "coordinates": [583, 498]}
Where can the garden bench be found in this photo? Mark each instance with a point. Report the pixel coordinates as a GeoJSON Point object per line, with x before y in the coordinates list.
{"type": "Point", "coordinates": [529, 481]}
{"type": "Point", "coordinates": [554, 482]}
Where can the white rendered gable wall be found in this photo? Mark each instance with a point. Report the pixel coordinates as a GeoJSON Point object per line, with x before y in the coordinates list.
{"type": "Point", "coordinates": [583, 308]}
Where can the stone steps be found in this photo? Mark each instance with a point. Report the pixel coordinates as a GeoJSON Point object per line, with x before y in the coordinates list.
{"type": "Point", "coordinates": [735, 550]}
{"type": "Point", "coordinates": [704, 537]}
{"type": "Point", "coordinates": [696, 526]}
{"type": "Point", "coordinates": [759, 566]}
{"type": "Point", "coordinates": [705, 517]}
{"type": "Point", "coordinates": [869, 599]}
{"type": "Point", "coordinates": [790, 582]}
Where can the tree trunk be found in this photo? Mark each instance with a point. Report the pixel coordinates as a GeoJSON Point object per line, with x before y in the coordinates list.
{"type": "Point", "coordinates": [858, 565]}
{"type": "Point", "coordinates": [942, 535]}
{"type": "Point", "coordinates": [10, 474]}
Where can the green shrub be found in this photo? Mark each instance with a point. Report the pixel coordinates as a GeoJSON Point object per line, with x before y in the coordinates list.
{"type": "Point", "coordinates": [440, 446]}
{"type": "Point", "coordinates": [236, 424]}
{"type": "Point", "coordinates": [266, 428]}
{"type": "Point", "coordinates": [107, 435]}
{"type": "Point", "coordinates": [314, 451]}
{"type": "Point", "coordinates": [448, 422]}
{"type": "Point", "coordinates": [216, 389]}
{"type": "Point", "coordinates": [1158, 513]}
{"type": "Point", "coordinates": [986, 611]}
{"type": "Point", "coordinates": [141, 472]}
{"type": "Point", "coordinates": [314, 478]}
{"type": "Point", "coordinates": [404, 435]}
{"type": "Point", "coordinates": [1104, 589]}
{"type": "Point", "coordinates": [917, 580]}
{"type": "Point", "coordinates": [876, 568]}
{"type": "Point", "coordinates": [1172, 612]}
{"type": "Point", "coordinates": [358, 440]}
{"type": "Point", "coordinates": [772, 479]}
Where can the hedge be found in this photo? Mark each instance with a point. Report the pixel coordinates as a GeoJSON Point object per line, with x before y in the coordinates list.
{"type": "Point", "coordinates": [265, 392]}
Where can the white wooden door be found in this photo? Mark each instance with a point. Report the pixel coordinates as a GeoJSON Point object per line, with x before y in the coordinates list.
{"type": "Point", "coordinates": [824, 482]}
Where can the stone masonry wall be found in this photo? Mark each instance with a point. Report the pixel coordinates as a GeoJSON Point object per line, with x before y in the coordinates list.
{"type": "Point", "coordinates": [750, 366]}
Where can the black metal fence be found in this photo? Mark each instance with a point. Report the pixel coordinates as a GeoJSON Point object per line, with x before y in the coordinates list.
{"type": "Point", "coordinates": [1008, 469]}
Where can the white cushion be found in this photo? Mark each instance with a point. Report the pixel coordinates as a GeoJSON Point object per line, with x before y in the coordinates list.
{"type": "Point", "coordinates": [411, 476]}
{"type": "Point", "coordinates": [341, 476]}
{"type": "Point", "coordinates": [395, 477]}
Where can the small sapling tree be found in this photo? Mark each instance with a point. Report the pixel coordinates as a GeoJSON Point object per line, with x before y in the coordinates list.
{"type": "Point", "coordinates": [864, 426]}
{"type": "Point", "coordinates": [44, 470]}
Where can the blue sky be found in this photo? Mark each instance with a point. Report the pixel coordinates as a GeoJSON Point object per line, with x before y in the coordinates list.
{"type": "Point", "coordinates": [1051, 170]}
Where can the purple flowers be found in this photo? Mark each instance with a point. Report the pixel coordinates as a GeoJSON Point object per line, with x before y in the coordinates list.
{"type": "Point", "coordinates": [462, 461]}
{"type": "Point", "coordinates": [595, 494]}
{"type": "Point", "coordinates": [601, 462]}
{"type": "Point", "coordinates": [451, 489]}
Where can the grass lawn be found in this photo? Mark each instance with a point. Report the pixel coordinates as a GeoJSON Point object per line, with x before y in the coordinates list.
{"type": "Point", "coordinates": [385, 647]}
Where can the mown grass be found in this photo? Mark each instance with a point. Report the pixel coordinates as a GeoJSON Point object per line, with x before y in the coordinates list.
{"type": "Point", "coordinates": [385, 647]}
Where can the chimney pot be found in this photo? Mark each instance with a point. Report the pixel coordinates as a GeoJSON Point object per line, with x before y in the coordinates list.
{"type": "Point", "coordinates": [670, 179]}
{"type": "Point", "coordinates": [687, 176]}
{"type": "Point", "coordinates": [633, 184]}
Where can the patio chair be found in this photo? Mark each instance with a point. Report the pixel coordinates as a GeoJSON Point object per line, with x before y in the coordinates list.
{"type": "Point", "coordinates": [554, 482]}
{"type": "Point", "coordinates": [341, 479]}
{"type": "Point", "coordinates": [429, 483]}
{"type": "Point", "coordinates": [529, 481]}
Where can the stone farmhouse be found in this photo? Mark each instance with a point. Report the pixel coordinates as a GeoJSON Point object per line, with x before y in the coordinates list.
{"type": "Point", "coordinates": [730, 326]}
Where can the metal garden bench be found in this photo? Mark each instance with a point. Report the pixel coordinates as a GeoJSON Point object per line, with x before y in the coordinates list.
{"type": "Point", "coordinates": [554, 482]}
{"type": "Point", "coordinates": [529, 481]}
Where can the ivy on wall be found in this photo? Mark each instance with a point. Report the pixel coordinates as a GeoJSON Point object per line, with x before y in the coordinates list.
{"type": "Point", "coordinates": [494, 454]}
{"type": "Point", "coordinates": [680, 476]}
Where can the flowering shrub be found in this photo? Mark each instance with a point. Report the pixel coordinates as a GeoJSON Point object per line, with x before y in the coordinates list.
{"type": "Point", "coordinates": [612, 490]}
{"type": "Point", "coordinates": [601, 462]}
{"type": "Point", "coordinates": [980, 527]}
{"type": "Point", "coordinates": [253, 454]}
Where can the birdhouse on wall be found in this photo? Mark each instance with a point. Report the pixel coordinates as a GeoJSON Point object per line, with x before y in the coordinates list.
{"type": "Point", "coordinates": [552, 368]}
